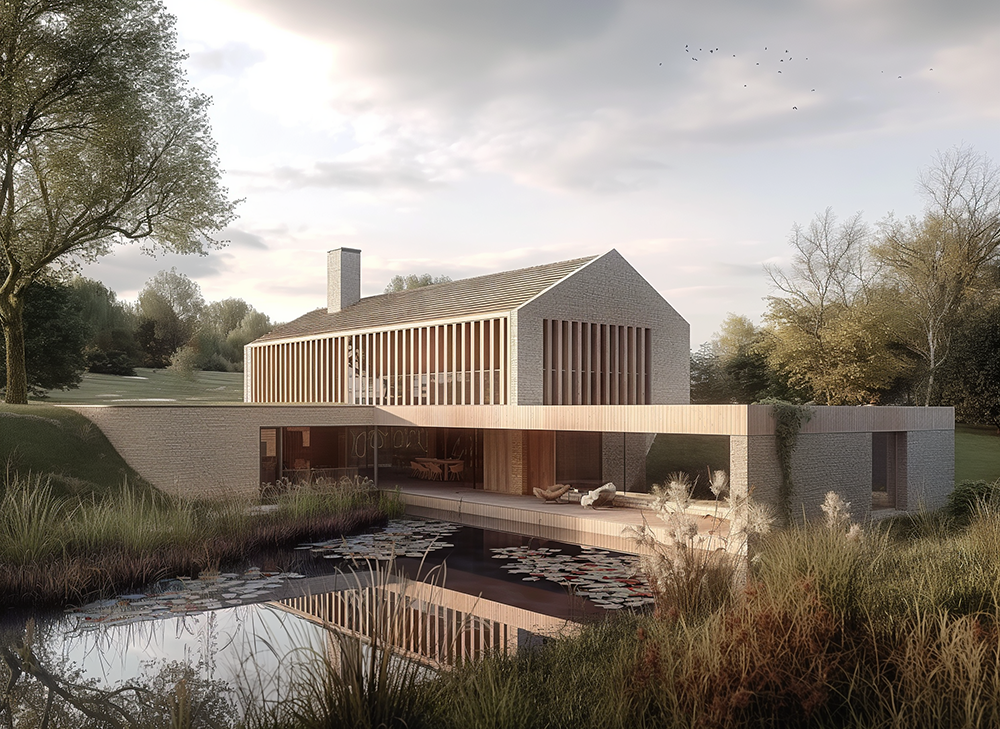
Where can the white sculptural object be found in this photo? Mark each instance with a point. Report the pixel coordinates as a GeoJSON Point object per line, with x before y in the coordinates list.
{"type": "Point", "coordinates": [602, 496]}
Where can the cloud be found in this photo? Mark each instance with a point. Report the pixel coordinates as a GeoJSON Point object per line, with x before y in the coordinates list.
{"type": "Point", "coordinates": [243, 239]}
{"type": "Point", "coordinates": [753, 270]}
{"type": "Point", "coordinates": [602, 96]}
{"type": "Point", "coordinates": [343, 174]}
{"type": "Point", "coordinates": [231, 59]}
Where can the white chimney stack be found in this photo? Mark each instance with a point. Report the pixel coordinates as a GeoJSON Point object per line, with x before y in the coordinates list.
{"type": "Point", "coordinates": [343, 278]}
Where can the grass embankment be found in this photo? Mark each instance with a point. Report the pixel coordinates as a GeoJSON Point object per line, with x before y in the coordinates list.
{"type": "Point", "coordinates": [977, 453]}
{"type": "Point", "coordinates": [153, 386]}
{"type": "Point", "coordinates": [898, 629]}
{"type": "Point", "coordinates": [76, 521]}
{"type": "Point", "coordinates": [57, 550]}
{"type": "Point", "coordinates": [63, 447]}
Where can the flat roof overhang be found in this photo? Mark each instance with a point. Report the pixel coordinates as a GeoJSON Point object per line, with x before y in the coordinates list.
{"type": "Point", "coordinates": [683, 419]}
{"type": "Point", "coordinates": [690, 419]}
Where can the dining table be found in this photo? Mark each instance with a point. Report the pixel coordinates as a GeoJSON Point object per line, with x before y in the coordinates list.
{"type": "Point", "coordinates": [443, 463]}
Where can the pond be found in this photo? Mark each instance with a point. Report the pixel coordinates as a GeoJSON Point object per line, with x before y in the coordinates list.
{"type": "Point", "coordinates": [433, 592]}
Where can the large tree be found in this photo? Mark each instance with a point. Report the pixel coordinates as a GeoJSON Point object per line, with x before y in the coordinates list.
{"type": "Point", "coordinates": [102, 143]}
{"type": "Point", "coordinates": [111, 347]}
{"type": "Point", "coordinates": [413, 281]}
{"type": "Point", "coordinates": [830, 328]}
{"type": "Point", "coordinates": [733, 367]}
{"type": "Point", "coordinates": [939, 261]}
{"type": "Point", "coordinates": [971, 379]}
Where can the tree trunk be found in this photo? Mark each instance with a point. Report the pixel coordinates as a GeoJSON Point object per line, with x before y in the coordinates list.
{"type": "Point", "coordinates": [13, 335]}
{"type": "Point", "coordinates": [931, 363]}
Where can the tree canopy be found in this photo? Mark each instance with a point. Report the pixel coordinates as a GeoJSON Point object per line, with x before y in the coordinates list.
{"type": "Point", "coordinates": [55, 336]}
{"type": "Point", "coordinates": [866, 315]}
{"type": "Point", "coordinates": [102, 142]}
{"type": "Point", "coordinates": [413, 281]}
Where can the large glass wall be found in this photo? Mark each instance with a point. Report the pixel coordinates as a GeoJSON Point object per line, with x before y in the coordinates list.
{"type": "Point", "coordinates": [579, 461]}
{"type": "Point", "coordinates": [431, 454]}
{"type": "Point", "coordinates": [696, 455]}
{"type": "Point", "coordinates": [302, 454]}
{"type": "Point", "coordinates": [307, 453]}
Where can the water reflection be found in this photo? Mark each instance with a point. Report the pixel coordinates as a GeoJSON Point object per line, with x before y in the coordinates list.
{"type": "Point", "coordinates": [425, 596]}
{"type": "Point", "coordinates": [59, 671]}
{"type": "Point", "coordinates": [426, 623]}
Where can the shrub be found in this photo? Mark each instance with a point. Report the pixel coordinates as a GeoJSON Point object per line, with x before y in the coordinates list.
{"type": "Point", "coordinates": [969, 494]}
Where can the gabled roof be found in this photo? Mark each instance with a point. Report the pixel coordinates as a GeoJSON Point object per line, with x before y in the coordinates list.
{"type": "Point", "coordinates": [494, 292]}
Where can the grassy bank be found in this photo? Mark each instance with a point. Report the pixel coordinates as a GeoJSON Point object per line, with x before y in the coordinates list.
{"type": "Point", "coordinates": [64, 448]}
{"type": "Point", "coordinates": [57, 549]}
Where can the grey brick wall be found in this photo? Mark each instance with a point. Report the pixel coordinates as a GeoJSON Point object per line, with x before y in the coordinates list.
{"type": "Point", "coordinates": [821, 462]}
{"type": "Point", "coordinates": [205, 451]}
{"type": "Point", "coordinates": [607, 291]}
{"type": "Point", "coordinates": [930, 468]}
{"type": "Point", "coordinates": [842, 462]}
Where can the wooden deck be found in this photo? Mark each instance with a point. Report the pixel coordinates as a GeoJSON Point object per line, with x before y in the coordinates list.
{"type": "Point", "coordinates": [564, 522]}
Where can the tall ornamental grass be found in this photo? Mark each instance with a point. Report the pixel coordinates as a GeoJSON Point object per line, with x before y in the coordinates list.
{"type": "Point", "coordinates": [31, 519]}
{"type": "Point", "coordinates": [359, 679]}
{"type": "Point", "coordinates": [55, 550]}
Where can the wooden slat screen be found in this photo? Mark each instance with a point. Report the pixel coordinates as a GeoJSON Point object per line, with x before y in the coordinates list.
{"type": "Point", "coordinates": [585, 363]}
{"type": "Point", "coordinates": [459, 363]}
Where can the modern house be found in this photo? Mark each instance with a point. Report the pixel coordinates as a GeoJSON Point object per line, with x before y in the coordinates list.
{"type": "Point", "coordinates": [563, 373]}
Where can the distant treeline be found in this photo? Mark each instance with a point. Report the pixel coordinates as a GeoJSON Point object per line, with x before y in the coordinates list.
{"type": "Point", "coordinates": [79, 325]}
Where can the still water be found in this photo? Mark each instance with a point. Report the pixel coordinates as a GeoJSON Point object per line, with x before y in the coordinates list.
{"type": "Point", "coordinates": [434, 592]}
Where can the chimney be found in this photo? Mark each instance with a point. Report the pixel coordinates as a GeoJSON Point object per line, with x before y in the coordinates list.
{"type": "Point", "coordinates": [343, 278]}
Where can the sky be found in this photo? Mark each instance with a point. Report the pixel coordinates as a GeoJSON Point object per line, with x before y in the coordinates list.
{"type": "Point", "coordinates": [458, 138]}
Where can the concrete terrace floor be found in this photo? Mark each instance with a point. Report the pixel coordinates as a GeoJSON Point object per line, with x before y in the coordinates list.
{"type": "Point", "coordinates": [606, 528]}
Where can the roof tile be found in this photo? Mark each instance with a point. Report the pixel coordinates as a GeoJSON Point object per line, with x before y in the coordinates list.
{"type": "Point", "coordinates": [494, 292]}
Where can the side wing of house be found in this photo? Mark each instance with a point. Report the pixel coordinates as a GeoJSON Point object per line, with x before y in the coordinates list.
{"type": "Point", "coordinates": [601, 336]}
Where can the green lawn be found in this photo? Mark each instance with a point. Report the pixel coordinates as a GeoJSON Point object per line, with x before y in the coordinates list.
{"type": "Point", "coordinates": [977, 453]}
{"type": "Point", "coordinates": [153, 386]}
{"type": "Point", "coordinates": [44, 440]}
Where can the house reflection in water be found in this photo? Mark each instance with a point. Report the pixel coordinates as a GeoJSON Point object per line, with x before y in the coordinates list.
{"type": "Point", "coordinates": [432, 625]}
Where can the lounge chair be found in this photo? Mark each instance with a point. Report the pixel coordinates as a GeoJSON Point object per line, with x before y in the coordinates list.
{"type": "Point", "coordinates": [601, 496]}
{"type": "Point", "coordinates": [553, 494]}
